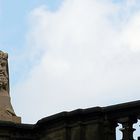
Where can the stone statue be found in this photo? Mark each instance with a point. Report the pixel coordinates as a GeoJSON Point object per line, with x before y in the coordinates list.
{"type": "Point", "coordinates": [6, 110]}
{"type": "Point", "coordinates": [4, 78]}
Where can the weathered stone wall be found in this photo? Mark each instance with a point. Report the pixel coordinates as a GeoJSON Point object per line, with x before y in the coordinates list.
{"type": "Point", "coordinates": [13, 131]}
{"type": "Point", "coordinates": [76, 125]}
{"type": "Point", "coordinates": [87, 124]}
{"type": "Point", "coordinates": [79, 131]}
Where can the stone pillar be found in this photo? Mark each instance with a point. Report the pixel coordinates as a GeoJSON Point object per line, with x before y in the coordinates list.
{"type": "Point", "coordinates": [6, 110]}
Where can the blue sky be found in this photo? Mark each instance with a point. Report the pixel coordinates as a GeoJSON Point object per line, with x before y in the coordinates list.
{"type": "Point", "coordinates": [70, 54]}
{"type": "Point", "coordinates": [13, 21]}
{"type": "Point", "coordinates": [14, 24]}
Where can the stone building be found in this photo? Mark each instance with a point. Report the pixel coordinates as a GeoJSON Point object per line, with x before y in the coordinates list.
{"type": "Point", "coordinates": [98, 123]}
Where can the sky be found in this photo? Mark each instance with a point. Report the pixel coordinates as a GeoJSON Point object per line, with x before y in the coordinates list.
{"type": "Point", "coordinates": [69, 54]}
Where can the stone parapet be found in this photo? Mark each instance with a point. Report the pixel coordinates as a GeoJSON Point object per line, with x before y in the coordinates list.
{"type": "Point", "coordinates": [97, 123]}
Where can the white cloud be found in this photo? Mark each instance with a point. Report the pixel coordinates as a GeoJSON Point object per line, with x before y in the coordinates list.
{"type": "Point", "coordinates": [131, 33]}
{"type": "Point", "coordinates": [86, 60]}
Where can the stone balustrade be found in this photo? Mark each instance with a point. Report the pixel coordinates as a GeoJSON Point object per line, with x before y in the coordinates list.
{"type": "Point", "coordinates": [98, 123]}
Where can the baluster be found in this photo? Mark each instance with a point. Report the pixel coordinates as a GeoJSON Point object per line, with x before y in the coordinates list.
{"type": "Point", "coordinates": [127, 128]}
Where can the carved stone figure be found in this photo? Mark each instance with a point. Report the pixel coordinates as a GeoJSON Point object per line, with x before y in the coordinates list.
{"type": "Point", "coordinates": [4, 78]}
{"type": "Point", "coordinates": [6, 110]}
